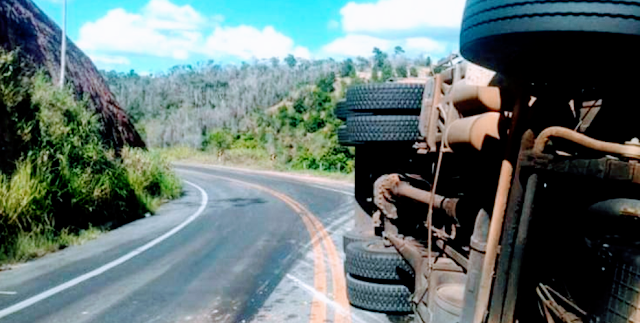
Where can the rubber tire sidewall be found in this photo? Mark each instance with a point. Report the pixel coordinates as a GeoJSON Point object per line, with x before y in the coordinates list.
{"type": "Point", "coordinates": [383, 298]}
{"type": "Point", "coordinates": [386, 98]}
{"type": "Point", "coordinates": [555, 40]}
{"type": "Point", "coordinates": [369, 260]}
{"type": "Point", "coordinates": [376, 128]}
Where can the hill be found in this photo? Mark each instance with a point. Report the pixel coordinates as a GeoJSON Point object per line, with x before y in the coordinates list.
{"type": "Point", "coordinates": [272, 112]}
{"type": "Point", "coordinates": [24, 27]}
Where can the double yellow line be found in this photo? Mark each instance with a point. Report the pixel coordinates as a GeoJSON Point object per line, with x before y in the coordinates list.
{"type": "Point", "coordinates": [319, 239]}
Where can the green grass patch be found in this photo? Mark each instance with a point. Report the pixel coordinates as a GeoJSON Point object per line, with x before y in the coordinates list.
{"type": "Point", "coordinates": [30, 245]}
{"type": "Point", "coordinates": [65, 183]}
{"type": "Point", "coordinates": [151, 177]}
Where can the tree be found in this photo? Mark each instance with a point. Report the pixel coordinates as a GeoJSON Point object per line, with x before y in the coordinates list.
{"type": "Point", "coordinates": [275, 61]}
{"type": "Point", "coordinates": [374, 74]}
{"type": "Point", "coordinates": [413, 71]}
{"type": "Point", "coordinates": [291, 61]}
{"type": "Point", "coordinates": [362, 63]}
{"type": "Point", "coordinates": [428, 62]}
{"type": "Point", "coordinates": [401, 70]}
{"type": "Point", "coordinates": [348, 70]}
{"type": "Point", "coordinates": [387, 71]}
{"type": "Point", "coordinates": [398, 50]}
{"type": "Point", "coordinates": [175, 108]}
{"type": "Point", "coordinates": [379, 57]}
{"type": "Point", "coordinates": [299, 106]}
{"type": "Point", "coordinates": [325, 84]}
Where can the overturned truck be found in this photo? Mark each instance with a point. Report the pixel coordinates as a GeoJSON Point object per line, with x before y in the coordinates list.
{"type": "Point", "coordinates": [506, 187]}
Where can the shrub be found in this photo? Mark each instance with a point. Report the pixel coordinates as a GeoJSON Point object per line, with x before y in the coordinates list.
{"type": "Point", "coordinates": [150, 176]}
{"type": "Point", "coordinates": [218, 140]}
{"type": "Point", "coordinates": [87, 185]}
{"type": "Point", "coordinates": [23, 202]}
{"type": "Point", "coordinates": [66, 181]}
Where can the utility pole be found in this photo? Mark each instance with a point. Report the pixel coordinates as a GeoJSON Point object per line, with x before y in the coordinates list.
{"type": "Point", "coordinates": [63, 51]}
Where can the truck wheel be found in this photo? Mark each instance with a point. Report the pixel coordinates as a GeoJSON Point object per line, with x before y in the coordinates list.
{"type": "Point", "coordinates": [374, 128]}
{"type": "Point", "coordinates": [526, 37]}
{"type": "Point", "coordinates": [343, 136]}
{"type": "Point", "coordinates": [378, 297]}
{"type": "Point", "coordinates": [386, 98]}
{"type": "Point", "coordinates": [372, 260]}
{"type": "Point", "coordinates": [342, 111]}
{"type": "Point", "coordinates": [355, 236]}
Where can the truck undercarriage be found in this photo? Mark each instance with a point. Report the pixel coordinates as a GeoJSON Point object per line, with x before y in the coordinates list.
{"type": "Point", "coordinates": [516, 198]}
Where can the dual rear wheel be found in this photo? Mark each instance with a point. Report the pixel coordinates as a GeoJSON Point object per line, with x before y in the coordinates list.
{"type": "Point", "coordinates": [378, 278]}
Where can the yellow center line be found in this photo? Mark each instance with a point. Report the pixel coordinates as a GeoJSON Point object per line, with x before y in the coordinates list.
{"type": "Point", "coordinates": [318, 306]}
{"type": "Point", "coordinates": [339, 283]}
{"type": "Point", "coordinates": [337, 273]}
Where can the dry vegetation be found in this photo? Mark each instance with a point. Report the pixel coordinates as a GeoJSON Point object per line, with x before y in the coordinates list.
{"type": "Point", "coordinates": [268, 114]}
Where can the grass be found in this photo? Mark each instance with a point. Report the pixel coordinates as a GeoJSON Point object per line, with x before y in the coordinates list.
{"type": "Point", "coordinates": [65, 184]}
{"type": "Point", "coordinates": [34, 245]}
{"type": "Point", "coordinates": [151, 177]}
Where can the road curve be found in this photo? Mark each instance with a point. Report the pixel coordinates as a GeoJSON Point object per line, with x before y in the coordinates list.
{"type": "Point", "coordinates": [215, 255]}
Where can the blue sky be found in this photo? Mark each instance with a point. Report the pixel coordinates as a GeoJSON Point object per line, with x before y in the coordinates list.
{"type": "Point", "coordinates": [154, 35]}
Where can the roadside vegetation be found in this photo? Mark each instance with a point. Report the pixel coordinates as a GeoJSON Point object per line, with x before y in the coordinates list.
{"type": "Point", "coordinates": [266, 114]}
{"type": "Point", "coordinates": [299, 134]}
{"type": "Point", "coordinates": [68, 183]}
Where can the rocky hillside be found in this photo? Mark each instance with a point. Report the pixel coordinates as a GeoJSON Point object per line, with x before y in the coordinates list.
{"type": "Point", "coordinates": [25, 27]}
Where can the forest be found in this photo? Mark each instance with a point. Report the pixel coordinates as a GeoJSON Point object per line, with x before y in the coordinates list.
{"type": "Point", "coordinates": [270, 111]}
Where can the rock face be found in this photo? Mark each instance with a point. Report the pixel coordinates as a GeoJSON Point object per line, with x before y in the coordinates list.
{"type": "Point", "coordinates": [23, 25]}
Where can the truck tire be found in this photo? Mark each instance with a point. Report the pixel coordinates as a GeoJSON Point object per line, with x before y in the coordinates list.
{"type": "Point", "coordinates": [526, 37]}
{"type": "Point", "coordinates": [392, 299]}
{"type": "Point", "coordinates": [342, 111]}
{"type": "Point", "coordinates": [355, 236]}
{"type": "Point", "coordinates": [371, 260]}
{"type": "Point", "coordinates": [381, 128]}
{"type": "Point", "coordinates": [343, 136]}
{"type": "Point", "coordinates": [386, 98]}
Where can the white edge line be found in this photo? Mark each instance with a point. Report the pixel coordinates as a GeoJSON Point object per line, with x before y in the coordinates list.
{"type": "Point", "coordinates": [283, 176]}
{"type": "Point", "coordinates": [273, 173]}
{"type": "Point", "coordinates": [293, 181]}
{"type": "Point", "coordinates": [55, 290]}
{"type": "Point", "coordinates": [324, 298]}
{"type": "Point", "coordinates": [332, 189]}
{"type": "Point", "coordinates": [8, 293]}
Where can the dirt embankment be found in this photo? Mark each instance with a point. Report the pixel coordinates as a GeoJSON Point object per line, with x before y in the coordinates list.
{"type": "Point", "coordinates": [25, 27]}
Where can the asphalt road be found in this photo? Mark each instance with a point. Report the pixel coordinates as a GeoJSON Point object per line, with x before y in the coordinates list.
{"type": "Point", "coordinates": [238, 247]}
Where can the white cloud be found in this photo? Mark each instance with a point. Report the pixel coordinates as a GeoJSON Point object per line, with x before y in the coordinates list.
{"type": "Point", "coordinates": [110, 60]}
{"type": "Point", "coordinates": [301, 52]}
{"type": "Point", "coordinates": [355, 45]}
{"type": "Point", "coordinates": [164, 29]}
{"type": "Point", "coordinates": [248, 42]}
{"type": "Point", "coordinates": [362, 45]}
{"type": "Point", "coordinates": [401, 15]}
{"type": "Point", "coordinates": [164, 15]}
{"type": "Point", "coordinates": [154, 32]}
{"type": "Point", "coordinates": [389, 23]}
{"type": "Point", "coordinates": [424, 44]}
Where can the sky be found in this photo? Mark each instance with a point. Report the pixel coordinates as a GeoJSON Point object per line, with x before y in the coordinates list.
{"type": "Point", "coordinates": [153, 35]}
